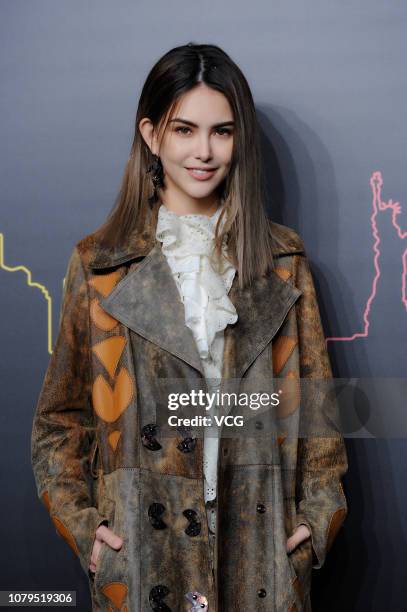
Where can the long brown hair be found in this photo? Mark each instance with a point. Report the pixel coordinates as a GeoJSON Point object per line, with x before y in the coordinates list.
{"type": "Point", "coordinates": [250, 239]}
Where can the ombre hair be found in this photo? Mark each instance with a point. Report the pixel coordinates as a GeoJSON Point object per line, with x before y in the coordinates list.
{"type": "Point", "coordinates": [250, 240]}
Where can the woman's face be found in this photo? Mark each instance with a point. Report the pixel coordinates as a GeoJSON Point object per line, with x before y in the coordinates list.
{"type": "Point", "coordinates": [200, 136]}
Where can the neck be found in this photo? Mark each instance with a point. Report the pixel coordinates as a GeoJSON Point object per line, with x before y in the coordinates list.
{"type": "Point", "coordinates": [190, 206]}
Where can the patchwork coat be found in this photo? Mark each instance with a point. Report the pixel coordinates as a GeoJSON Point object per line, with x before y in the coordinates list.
{"type": "Point", "coordinates": [101, 454]}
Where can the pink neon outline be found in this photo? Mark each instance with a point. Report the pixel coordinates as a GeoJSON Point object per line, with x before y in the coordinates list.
{"type": "Point", "coordinates": [376, 183]}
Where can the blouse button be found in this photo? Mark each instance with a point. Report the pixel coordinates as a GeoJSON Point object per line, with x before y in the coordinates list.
{"type": "Point", "coordinates": [262, 592]}
{"type": "Point", "coordinates": [260, 508]}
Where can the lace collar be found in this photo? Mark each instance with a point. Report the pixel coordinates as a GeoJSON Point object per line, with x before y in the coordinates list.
{"type": "Point", "coordinates": [188, 242]}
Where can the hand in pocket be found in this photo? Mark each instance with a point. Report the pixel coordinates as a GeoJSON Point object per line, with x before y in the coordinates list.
{"type": "Point", "coordinates": [300, 534]}
{"type": "Point", "coordinates": [103, 535]}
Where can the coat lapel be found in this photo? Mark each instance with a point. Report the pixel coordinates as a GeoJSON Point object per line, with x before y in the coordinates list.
{"type": "Point", "coordinates": [261, 309]}
{"type": "Point", "coordinates": [147, 301]}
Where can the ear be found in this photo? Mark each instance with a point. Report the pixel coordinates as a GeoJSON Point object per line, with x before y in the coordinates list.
{"type": "Point", "coordinates": [147, 131]}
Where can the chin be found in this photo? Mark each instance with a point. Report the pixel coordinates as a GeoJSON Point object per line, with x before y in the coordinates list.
{"type": "Point", "coordinates": [199, 193]}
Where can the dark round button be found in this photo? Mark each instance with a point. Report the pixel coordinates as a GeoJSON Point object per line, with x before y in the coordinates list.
{"type": "Point", "coordinates": [194, 527]}
{"type": "Point", "coordinates": [190, 514]}
{"type": "Point", "coordinates": [150, 429]}
{"type": "Point", "coordinates": [148, 434]}
{"type": "Point", "coordinates": [262, 592]}
{"type": "Point", "coordinates": [259, 424]}
{"type": "Point", "coordinates": [261, 508]}
{"type": "Point", "coordinates": [156, 596]}
{"type": "Point", "coordinates": [187, 445]}
{"type": "Point", "coordinates": [155, 511]}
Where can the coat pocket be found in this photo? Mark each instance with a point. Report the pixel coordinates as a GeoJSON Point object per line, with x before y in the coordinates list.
{"type": "Point", "coordinates": [94, 459]}
{"type": "Point", "coordinates": [111, 584]}
{"type": "Point", "coordinates": [107, 507]}
{"type": "Point", "coordinates": [300, 561]}
{"type": "Point", "coordinates": [99, 561]}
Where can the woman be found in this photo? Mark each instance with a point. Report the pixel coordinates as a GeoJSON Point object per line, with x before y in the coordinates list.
{"type": "Point", "coordinates": [189, 284]}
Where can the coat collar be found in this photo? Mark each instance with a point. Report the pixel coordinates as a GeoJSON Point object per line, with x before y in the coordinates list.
{"type": "Point", "coordinates": [147, 301]}
{"type": "Point", "coordinates": [140, 244]}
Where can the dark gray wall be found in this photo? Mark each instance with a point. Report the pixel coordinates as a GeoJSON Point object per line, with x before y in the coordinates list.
{"type": "Point", "coordinates": [329, 81]}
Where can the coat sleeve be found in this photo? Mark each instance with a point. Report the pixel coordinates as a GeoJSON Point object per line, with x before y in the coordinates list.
{"type": "Point", "coordinates": [63, 429]}
{"type": "Point", "coordinates": [322, 458]}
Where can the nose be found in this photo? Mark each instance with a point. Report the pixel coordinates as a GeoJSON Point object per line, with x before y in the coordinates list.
{"type": "Point", "coordinates": [204, 151]}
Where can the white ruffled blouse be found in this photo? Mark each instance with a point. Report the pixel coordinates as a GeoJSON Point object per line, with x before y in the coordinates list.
{"type": "Point", "coordinates": [187, 242]}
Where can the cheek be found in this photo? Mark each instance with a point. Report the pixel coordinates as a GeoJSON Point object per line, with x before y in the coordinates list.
{"type": "Point", "coordinates": [177, 151]}
{"type": "Point", "coordinates": [173, 153]}
{"type": "Point", "coordinates": [225, 152]}
{"type": "Point", "coordinates": [175, 168]}
{"type": "Point", "coordinates": [173, 163]}
{"type": "Point", "coordinates": [178, 162]}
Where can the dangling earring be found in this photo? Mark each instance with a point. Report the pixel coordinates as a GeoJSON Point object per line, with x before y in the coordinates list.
{"type": "Point", "coordinates": [157, 176]}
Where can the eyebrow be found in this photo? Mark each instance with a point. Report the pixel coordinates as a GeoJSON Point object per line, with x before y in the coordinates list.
{"type": "Point", "coordinates": [215, 125]}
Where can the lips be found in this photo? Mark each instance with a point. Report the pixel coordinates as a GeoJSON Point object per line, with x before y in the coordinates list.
{"type": "Point", "coordinates": [199, 168]}
{"type": "Point", "coordinates": [201, 174]}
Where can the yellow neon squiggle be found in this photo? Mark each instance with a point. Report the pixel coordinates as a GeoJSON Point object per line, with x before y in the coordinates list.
{"type": "Point", "coordinates": [30, 283]}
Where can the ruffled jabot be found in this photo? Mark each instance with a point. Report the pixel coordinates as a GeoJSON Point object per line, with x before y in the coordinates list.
{"type": "Point", "coordinates": [188, 242]}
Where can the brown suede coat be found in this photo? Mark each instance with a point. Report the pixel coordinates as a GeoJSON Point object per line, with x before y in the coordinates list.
{"type": "Point", "coordinates": [98, 453]}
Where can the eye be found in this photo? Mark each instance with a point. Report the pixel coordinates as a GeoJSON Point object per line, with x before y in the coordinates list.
{"type": "Point", "coordinates": [223, 131]}
{"type": "Point", "coordinates": [179, 129]}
